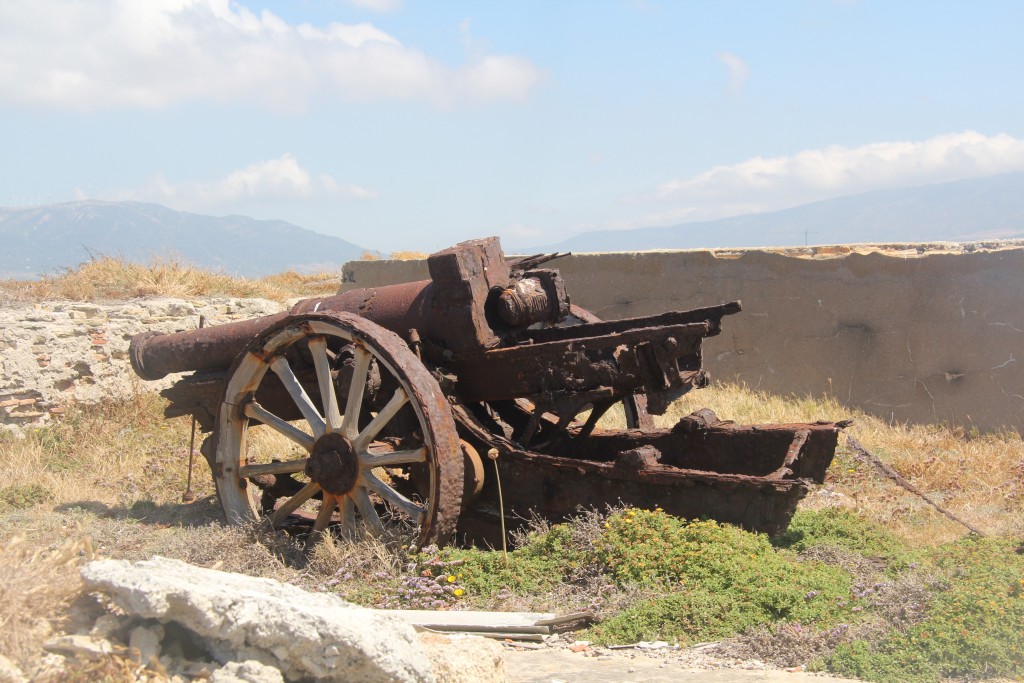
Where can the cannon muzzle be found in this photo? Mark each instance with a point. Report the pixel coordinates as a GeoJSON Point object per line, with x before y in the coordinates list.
{"type": "Point", "coordinates": [153, 356]}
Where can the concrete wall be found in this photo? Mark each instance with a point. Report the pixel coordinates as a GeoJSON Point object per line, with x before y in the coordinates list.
{"type": "Point", "coordinates": [919, 334]}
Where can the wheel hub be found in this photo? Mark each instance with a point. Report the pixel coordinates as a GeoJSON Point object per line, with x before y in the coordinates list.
{"type": "Point", "coordinates": [333, 464]}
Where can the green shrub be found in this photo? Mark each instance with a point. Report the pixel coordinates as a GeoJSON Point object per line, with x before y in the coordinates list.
{"type": "Point", "coordinates": [845, 529]}
{"type": "Point", "coordinates": [718, 580]}
{"type": "Point", "coordinates": [972, 629]}
{"type": "Point", "coordinates": [21, 496]}
{"type": "Point", "coordinates": [543, 561]}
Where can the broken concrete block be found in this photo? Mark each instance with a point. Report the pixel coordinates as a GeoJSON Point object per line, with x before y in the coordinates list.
{"type": "Point", "coordinates": [314, 636]}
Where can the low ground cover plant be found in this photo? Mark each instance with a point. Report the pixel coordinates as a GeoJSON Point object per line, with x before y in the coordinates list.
{"type": "Point", "coordinates": [866, 582]}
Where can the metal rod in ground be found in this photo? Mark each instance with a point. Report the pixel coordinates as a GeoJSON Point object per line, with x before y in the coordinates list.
{"type": "Point", "coordinates": [188, 496]}
{"type": "Point", "coordinates": [493, 455]}
{"type": "Point", "coordinates": [866, 456]}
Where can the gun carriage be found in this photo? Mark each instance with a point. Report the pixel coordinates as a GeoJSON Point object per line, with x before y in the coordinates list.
{"type": "Point", "coordinates": [393, 401]}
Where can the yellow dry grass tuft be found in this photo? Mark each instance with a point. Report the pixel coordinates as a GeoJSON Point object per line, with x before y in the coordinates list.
{"type": "Point", "coordinates": [35, 596]}
{"type": "Point", "coordinates": [108, 278]}
{"type": "Point", "coordinates": [408, 255]}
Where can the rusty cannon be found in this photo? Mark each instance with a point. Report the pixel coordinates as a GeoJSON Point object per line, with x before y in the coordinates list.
{"type": "Point", "coordinates": [450, 405]}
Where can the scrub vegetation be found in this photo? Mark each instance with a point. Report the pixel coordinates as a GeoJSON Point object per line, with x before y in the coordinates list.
{"type": "Point", "coordinates": [867, 581]}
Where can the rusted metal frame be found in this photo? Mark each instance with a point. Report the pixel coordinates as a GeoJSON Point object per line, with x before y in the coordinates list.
{"type": "Point", "coordinates": [557, 492]}
{"type": "Point", "coordinates": [563, 407]}
{"type": "Point", "coordinates": [757, 450]}
{"type": "Point", "coordinates": [792, 454]}
{"type": "Point", "coordinates": [658, 474]}
{"type": "Point", "coordinates": [579, 364]}
{"type": "Point", "coordinates": [469, 422]}
{"type": "Point", "coordinates": [711, 315]}
{"type": "Point", "coordinates": [596, 413]}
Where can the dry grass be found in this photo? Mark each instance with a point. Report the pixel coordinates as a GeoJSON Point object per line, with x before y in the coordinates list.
{"type": "Point", "coordinates": [39, 586]}
{"type": "Point", "coordinates": [408, 255]}
{"type": "Point", "coordinates": [119, 470]}
{"type": "Point", "coordinates": [977, 477]}
{"type": "Point", "coordinates": [394, 256]}
{"type": "Point", "coordinates": [108, 278]}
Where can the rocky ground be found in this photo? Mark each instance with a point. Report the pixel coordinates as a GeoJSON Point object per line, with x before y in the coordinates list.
{"type": "Point", "coordinates": [163, 619]}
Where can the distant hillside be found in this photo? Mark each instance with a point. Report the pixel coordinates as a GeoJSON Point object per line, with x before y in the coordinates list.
{"type": "Point", "coordinates": [45, 239]}
{"type": "Point", "coordinates": [960, 211]}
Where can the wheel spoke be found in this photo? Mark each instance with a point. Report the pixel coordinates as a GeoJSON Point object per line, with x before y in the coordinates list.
{"type": "Point", "coordinates": [291, 384]}
{"type": "Point", "coordinates": [257, 412]}
{"type": "Point", "coordinates": [396, 458]}
{"type": "Point", "coordinates": [412, 510]}
{"type": "Point", "coordinates": [328, 397]}
{"type": "Point", "coordinates": [287, 467]}
{"type": "Point", "coordinates": [398, 400]}
{"type": "Point", "coordinates": [365, 505]}
{"type": "Point", "coordinates": [350, 426]}
{"type": "Point", "coordinates": [347, 515]}
{"type": "Point", "coordinates": [293, 503]}
{"type": "Point", "coordinates": [323, 518]}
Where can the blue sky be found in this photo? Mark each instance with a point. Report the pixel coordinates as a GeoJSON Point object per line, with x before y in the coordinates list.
{"type": "Point", "coordinates": [400, 124]}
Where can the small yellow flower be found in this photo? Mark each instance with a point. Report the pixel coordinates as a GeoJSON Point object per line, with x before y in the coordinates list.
{"type": "Point", "coordinates": [459, 592]}
{"type": "Point", "coordinates": [451, 579]}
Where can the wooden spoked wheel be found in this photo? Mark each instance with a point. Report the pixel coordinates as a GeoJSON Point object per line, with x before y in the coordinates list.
{"type": "Point", "coordinates": [371, 442]}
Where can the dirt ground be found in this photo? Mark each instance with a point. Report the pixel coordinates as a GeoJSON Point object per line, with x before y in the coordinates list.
{"type": "Point", "coordinates": [554, 665]}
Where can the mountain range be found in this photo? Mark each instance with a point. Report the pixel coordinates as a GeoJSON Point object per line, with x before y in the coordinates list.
{"type": "Point", "coordinates": [959, 211]}
{"type": "Point", "coordinates": [45, 239]}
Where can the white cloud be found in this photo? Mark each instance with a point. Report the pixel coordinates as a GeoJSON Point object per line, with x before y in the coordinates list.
{"type": "Point", "coordinates": [765, 184]}
{"type": "Point", "coordinates": [377, 5]}
{"type": "Point", "coordinates": [739, 72]}
{"type": "Point", "coordinates": [126, 53]}
{"type": "Point", "coordinates": [267, 181]}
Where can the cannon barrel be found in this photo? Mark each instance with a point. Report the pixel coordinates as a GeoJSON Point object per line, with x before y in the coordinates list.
{"type": "Point", "coordinates": [473, 297]}
{"type": "Point", "coordinates": [399, 308]}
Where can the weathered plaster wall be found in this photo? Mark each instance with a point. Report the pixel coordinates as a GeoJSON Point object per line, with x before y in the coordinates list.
{"type": "Point", "coordinates": [922, 334]}
{"type": "Point", "coordinates": [60, 351]}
